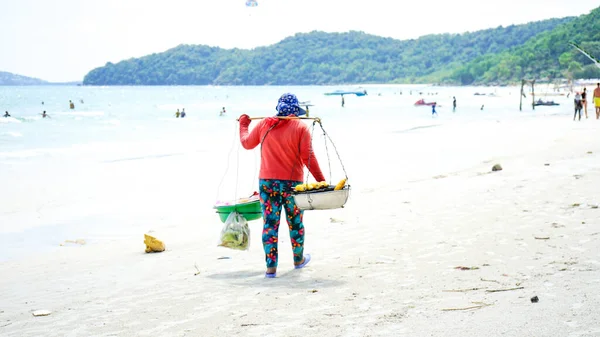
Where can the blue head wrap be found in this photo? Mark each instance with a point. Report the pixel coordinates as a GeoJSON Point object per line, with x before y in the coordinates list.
{"type": "Point", "coordinates": [288, 106]}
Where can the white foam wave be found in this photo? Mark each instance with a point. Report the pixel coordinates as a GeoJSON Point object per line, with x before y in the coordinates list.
{"type": "Point", "coordinates": [172, 119]}
{"type": "Point", "coordinates": [32, 118]}
{"type": "Point", "coordinates": [80, 113]}
{"type": "Point", "coordinates": [12, 133]}
{"type": "Point", "coordinates": [6, 120]}
{"type": "Point", "coordinates": [114, 122]}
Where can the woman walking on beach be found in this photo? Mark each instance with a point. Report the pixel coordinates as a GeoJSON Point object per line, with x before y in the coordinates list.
{"type": "Point", "coordinates": [597, 100]}
{"type": "Point", "coordinates": [584, 101]}
{"type": "Point", "coordinates": [285, 149]}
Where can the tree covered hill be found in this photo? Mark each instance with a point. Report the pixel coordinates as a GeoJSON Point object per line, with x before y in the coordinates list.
{"type": "Point", "coordinates": [14, 79]}
{"type": "Point", "coordinates": [548, 55]}
{"type": "Point", "coordinates": [327, 58]}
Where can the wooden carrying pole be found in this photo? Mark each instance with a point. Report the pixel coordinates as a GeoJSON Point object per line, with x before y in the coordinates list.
{"type": "Point", "coordinates": [285, 117]}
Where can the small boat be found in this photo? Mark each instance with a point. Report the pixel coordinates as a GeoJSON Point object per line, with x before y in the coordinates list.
{"type": "Point", "coordinates": [342, 92]}
{"type": "Point", "coordinates": [545, 103]}
{"type": "Point", "coordinates": [422, 102]}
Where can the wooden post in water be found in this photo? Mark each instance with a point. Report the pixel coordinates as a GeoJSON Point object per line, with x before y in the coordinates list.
{"type": "Point", "coordinates": [521, 98]}
{"type": "Point", "coordinates": [523, 82]}
{"type": "Point", "coordinates": [533, 94]}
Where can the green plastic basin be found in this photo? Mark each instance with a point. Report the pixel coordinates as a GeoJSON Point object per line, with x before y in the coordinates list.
{"type": "Point", "coordinates": [250, 210]}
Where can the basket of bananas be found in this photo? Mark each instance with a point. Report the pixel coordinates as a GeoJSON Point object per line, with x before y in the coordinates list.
{"type": "Point", "coordinates": [321, 195]}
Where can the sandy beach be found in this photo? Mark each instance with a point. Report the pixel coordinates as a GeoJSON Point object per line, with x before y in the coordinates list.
{"type": "Point", "coordinates": [453, 250]}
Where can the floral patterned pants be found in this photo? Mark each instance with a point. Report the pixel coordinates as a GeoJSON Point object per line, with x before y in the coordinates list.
{"type": "Point", "coordinates": [275, 195]}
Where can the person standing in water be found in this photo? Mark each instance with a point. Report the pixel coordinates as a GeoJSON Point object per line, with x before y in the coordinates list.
{"type": "Point", "coordinates": [286, 148]}
{"type": "Point", "coordinates": [6, 114]}
{"type": "Point", "coordinates": [71, 105]}
{"type": "Point", "coordinates": [222, 112]}
{"type": "Point", "coordinates": [44, 114]}
{"type": "Point", "coordinates": [453, 104]}
{"type": "Point", "coordinates": [177, 113]}
{"type": "Point", "coordinates": [433, 112]}
{"type": "Point", "coordinates": [343, 101]}
{"type": "Point", "coordinates": [183, 113]}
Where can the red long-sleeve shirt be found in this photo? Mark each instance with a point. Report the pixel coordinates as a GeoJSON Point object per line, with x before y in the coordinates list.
{"type": "Point", "coordinates": [285, 150]}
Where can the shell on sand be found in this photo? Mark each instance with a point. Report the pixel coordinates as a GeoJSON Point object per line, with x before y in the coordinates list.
{"type": "Point", "coordinates": [41, 313]}
{"type": "Point", "coordinates": [73, 242]}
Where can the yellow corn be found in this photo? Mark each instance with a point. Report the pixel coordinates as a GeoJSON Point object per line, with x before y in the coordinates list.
{"type": "Point", "coordinates": [340, 185]}
{"type": "Point", "coordinates": [300, 188]}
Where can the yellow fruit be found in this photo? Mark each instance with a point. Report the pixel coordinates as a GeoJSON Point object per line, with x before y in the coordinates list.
{"type": "Point", "coordinates": [340, 185]}
{"type": "Point", "coordinates": [323, 184]}
{"type": "Point", "coordinates": [300, 188]}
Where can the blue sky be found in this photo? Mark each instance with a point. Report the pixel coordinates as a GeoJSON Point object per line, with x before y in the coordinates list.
{"type": "Point", "coordinates": [61, 40]}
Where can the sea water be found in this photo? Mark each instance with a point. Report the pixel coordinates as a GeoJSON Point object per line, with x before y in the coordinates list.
{"type": "Point", "coordinates": [120, 162]}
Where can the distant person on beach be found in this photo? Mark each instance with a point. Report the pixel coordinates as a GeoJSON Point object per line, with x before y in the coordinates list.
{"type": "Point", "coordinates": [286, 148]}
{"type": "Point", "coordinates": [343, 101]}
{"type": "Point", "coordinates": [71, 105]}
{"type": "Point", "coordinates": [223, 112]}
{"type": "Point", "coordinates": [44, 114]}
{"type": "Point", "coordinates": [578, 106]}
{"type": "Point", "coordinates": [597, 100]}
{"type": "Point", "coordinates": [481, 107]}
{"type": "Point", "coordinates": [453, 104]}
{"type": "Point", "coordinates": [6, 114]}
{"type": "Point", "coordinates": [177, 113]}
{"type": "Point", "coordinates": [183, 113]}
{"type": "Point", "coordinates": [433, 112]}
{"type": "Point", "coordinates": [584, 101]}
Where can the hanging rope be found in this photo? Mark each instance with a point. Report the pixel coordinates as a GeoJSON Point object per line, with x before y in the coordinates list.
{"type": "Point", "coordinates": [326, 137]}
{"type": "Point", "coordinates": [235, 132]}
{"type": "Point", "coordinates": [237, 168]}
{"type": "Point", "coordinates": [326, 151]}
{"type": "Point", "coordinates": [336, 151]}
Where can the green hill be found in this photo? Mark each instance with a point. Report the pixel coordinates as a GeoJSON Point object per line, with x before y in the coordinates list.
{"type": "Point", "coordinates": [548, 55]}
{"type": "Point", "coordinates": [14, 79]}
{"type": "Point", "coordinates": [326, 58]}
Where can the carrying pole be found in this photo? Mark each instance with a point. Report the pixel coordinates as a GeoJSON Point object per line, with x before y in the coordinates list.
{"type": "Point", "coordinates": [316, 119]}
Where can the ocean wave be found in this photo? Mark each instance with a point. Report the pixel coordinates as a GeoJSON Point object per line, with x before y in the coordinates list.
{"type": "Point", "coordinates": [75, 149]}
{"type": "Point", "coordinates": [418, 127]}
{"type": "Point", "coordinates": [80, 113]}
{"type": "Point", "coordinates": [31, 118]}
{"type": "Point", "coordinates": [114, 122]}
{"type": "Point", "coordinates": [152, 156]}
{"type": "Point", "coordinates": [12, 133]}
{"type": "Point", "coordinates": [6, 120]}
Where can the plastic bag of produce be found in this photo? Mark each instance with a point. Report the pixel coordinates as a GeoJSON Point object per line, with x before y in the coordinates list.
{"type": "Point", "coordinates": [235, 233]}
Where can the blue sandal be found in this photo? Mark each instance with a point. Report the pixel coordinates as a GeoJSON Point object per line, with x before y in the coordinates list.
{"type": "Point", "coordinates": [303, 264]}
{"type": "Point", "coordinates": [270, 275]}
